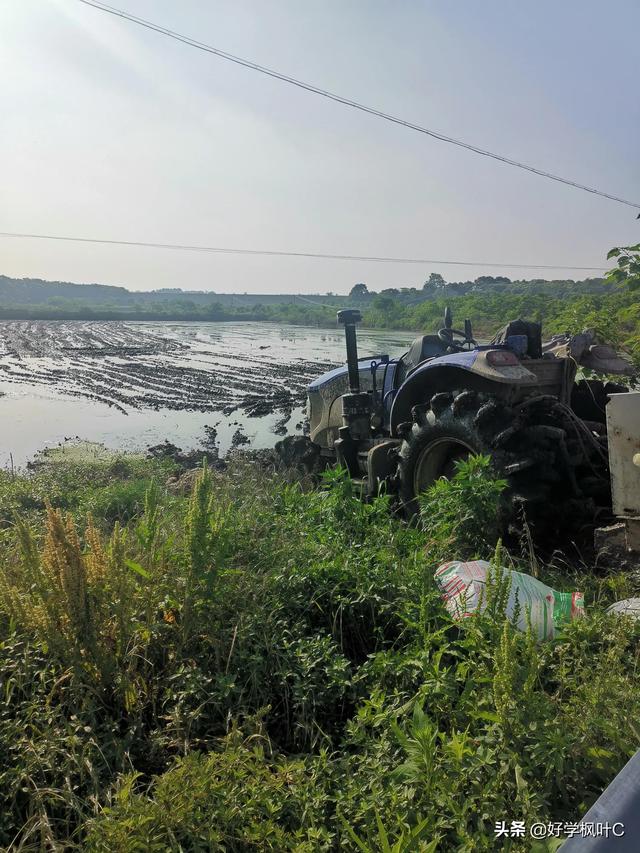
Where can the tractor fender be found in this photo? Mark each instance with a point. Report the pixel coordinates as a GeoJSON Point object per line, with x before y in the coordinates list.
{"type": "Point", "coordinates": [457, 371]}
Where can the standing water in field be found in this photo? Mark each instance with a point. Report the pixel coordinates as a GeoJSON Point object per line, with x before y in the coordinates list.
{"type": "Point", "coordinates": [131, 385]}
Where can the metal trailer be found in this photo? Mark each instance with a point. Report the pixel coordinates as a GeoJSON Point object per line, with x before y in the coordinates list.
{"type": "Point", "coordinates": [623, 429]}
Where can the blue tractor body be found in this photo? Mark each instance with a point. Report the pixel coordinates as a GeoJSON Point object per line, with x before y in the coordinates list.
{"type": "Point", "coordinates": [400, 423]}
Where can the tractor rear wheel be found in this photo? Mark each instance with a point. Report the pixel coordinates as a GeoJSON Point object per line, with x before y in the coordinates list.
{"type": "Point", "coordinates": [528, 445]}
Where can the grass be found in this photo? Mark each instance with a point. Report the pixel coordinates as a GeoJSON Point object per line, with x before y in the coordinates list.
{"type": "Point", "coordinates": [262, 665]}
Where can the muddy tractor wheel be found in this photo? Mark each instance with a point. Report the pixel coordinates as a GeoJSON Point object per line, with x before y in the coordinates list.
{"type": "Point", "coordinates": [527, 445]}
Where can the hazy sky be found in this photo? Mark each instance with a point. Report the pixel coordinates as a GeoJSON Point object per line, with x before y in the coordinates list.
{"type": "Point", "coordinates": [108, 130]}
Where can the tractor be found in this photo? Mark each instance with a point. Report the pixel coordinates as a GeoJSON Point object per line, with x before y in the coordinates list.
{"type": "Point", "coordinates": [399, 424]}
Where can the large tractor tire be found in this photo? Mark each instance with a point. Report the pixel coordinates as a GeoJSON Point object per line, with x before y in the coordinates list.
{"type": "Point", "coordinates": [530, 445]}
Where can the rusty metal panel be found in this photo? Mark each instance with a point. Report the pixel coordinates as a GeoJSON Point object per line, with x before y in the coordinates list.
{"type": "Point", "coordinates": [623, 428]}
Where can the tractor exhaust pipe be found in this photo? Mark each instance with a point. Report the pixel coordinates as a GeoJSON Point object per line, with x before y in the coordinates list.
{"type": "Point", "coordinates": [348, 318]}
{"type": "Point", "coordinates": [356, 404]}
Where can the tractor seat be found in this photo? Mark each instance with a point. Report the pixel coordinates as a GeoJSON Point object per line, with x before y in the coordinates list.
{"type": "Point", "coordinates": [424, 347]}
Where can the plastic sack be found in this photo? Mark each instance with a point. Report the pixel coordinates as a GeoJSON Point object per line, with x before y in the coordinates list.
{"type": "Point", "coordinates": [464, 592]}
{"type": "Point", "coordinates": [626, 607]}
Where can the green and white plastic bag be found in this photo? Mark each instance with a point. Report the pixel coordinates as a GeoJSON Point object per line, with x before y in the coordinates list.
{"type": "Point", "coordinates": [464, 590]}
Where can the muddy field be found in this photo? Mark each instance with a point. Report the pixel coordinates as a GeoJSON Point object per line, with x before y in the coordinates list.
{"type": "Point", "coordinates": [128, 366]}
{"type": "Point", "coordinates": [131, 383]}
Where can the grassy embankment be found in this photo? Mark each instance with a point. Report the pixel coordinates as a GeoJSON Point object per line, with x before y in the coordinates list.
{"type": "Point", "coordinates": [261, 665]}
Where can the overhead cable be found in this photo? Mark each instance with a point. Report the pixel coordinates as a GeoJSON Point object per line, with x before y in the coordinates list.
{"type": "Point", "coordinates": [225, 250]}
{"type": "Point", "coordinates": [317, 90]}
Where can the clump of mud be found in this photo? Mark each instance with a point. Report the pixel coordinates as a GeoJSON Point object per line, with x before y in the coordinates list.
{"type": "Point", "coordinates": [239, 438]}
{"type": "Point", "coordinates": [296, 457]}
{"type": "Point", "coordinates": [187, 459]}
{"type": "Point", "coordinates": [299, 452]}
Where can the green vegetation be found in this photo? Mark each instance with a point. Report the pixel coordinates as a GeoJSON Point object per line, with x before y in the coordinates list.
{"type": "Point", "coordinates": [627, 270]}
{"type": "Point", "coordinates": [247, 663]}
{"type": "Point", "coordinates": [614, 314]}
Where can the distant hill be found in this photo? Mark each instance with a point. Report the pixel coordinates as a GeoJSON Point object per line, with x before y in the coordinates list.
{"type": "Point", "coordinates": [35, 299]}
{"type": "Point", "coordinates": [34, 291]}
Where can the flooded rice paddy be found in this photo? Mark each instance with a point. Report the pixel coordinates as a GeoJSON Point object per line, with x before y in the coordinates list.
{"type": "Point", "coordinates": [132, 385]}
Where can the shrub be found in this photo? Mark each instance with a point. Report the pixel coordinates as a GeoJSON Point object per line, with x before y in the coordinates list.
{"type": "Point", "coordinates": [464, 510]}
{"type": "Point", "coordinates": [238, 799]}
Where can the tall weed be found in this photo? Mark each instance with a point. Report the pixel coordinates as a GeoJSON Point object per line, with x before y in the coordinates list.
{"type": "Point", "coordinates": [463, 514]}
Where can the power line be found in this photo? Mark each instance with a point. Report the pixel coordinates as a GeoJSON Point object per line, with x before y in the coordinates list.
{"type": "Point", "coordinates": [309, 87]}
{"type": "Point", "coordinates": [285, 254]}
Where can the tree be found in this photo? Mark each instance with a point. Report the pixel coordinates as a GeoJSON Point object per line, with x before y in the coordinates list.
{"type": "Point", "coordinates": [628, 269]}
{"type": "Point", "coordinates": [434, 282]}
{"type": "Point", "coordinates": [384, 304]}
{"type": "Point", "coordinates": [359, 291]}
{"type": "Point", "coordinates": [485, 280]}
